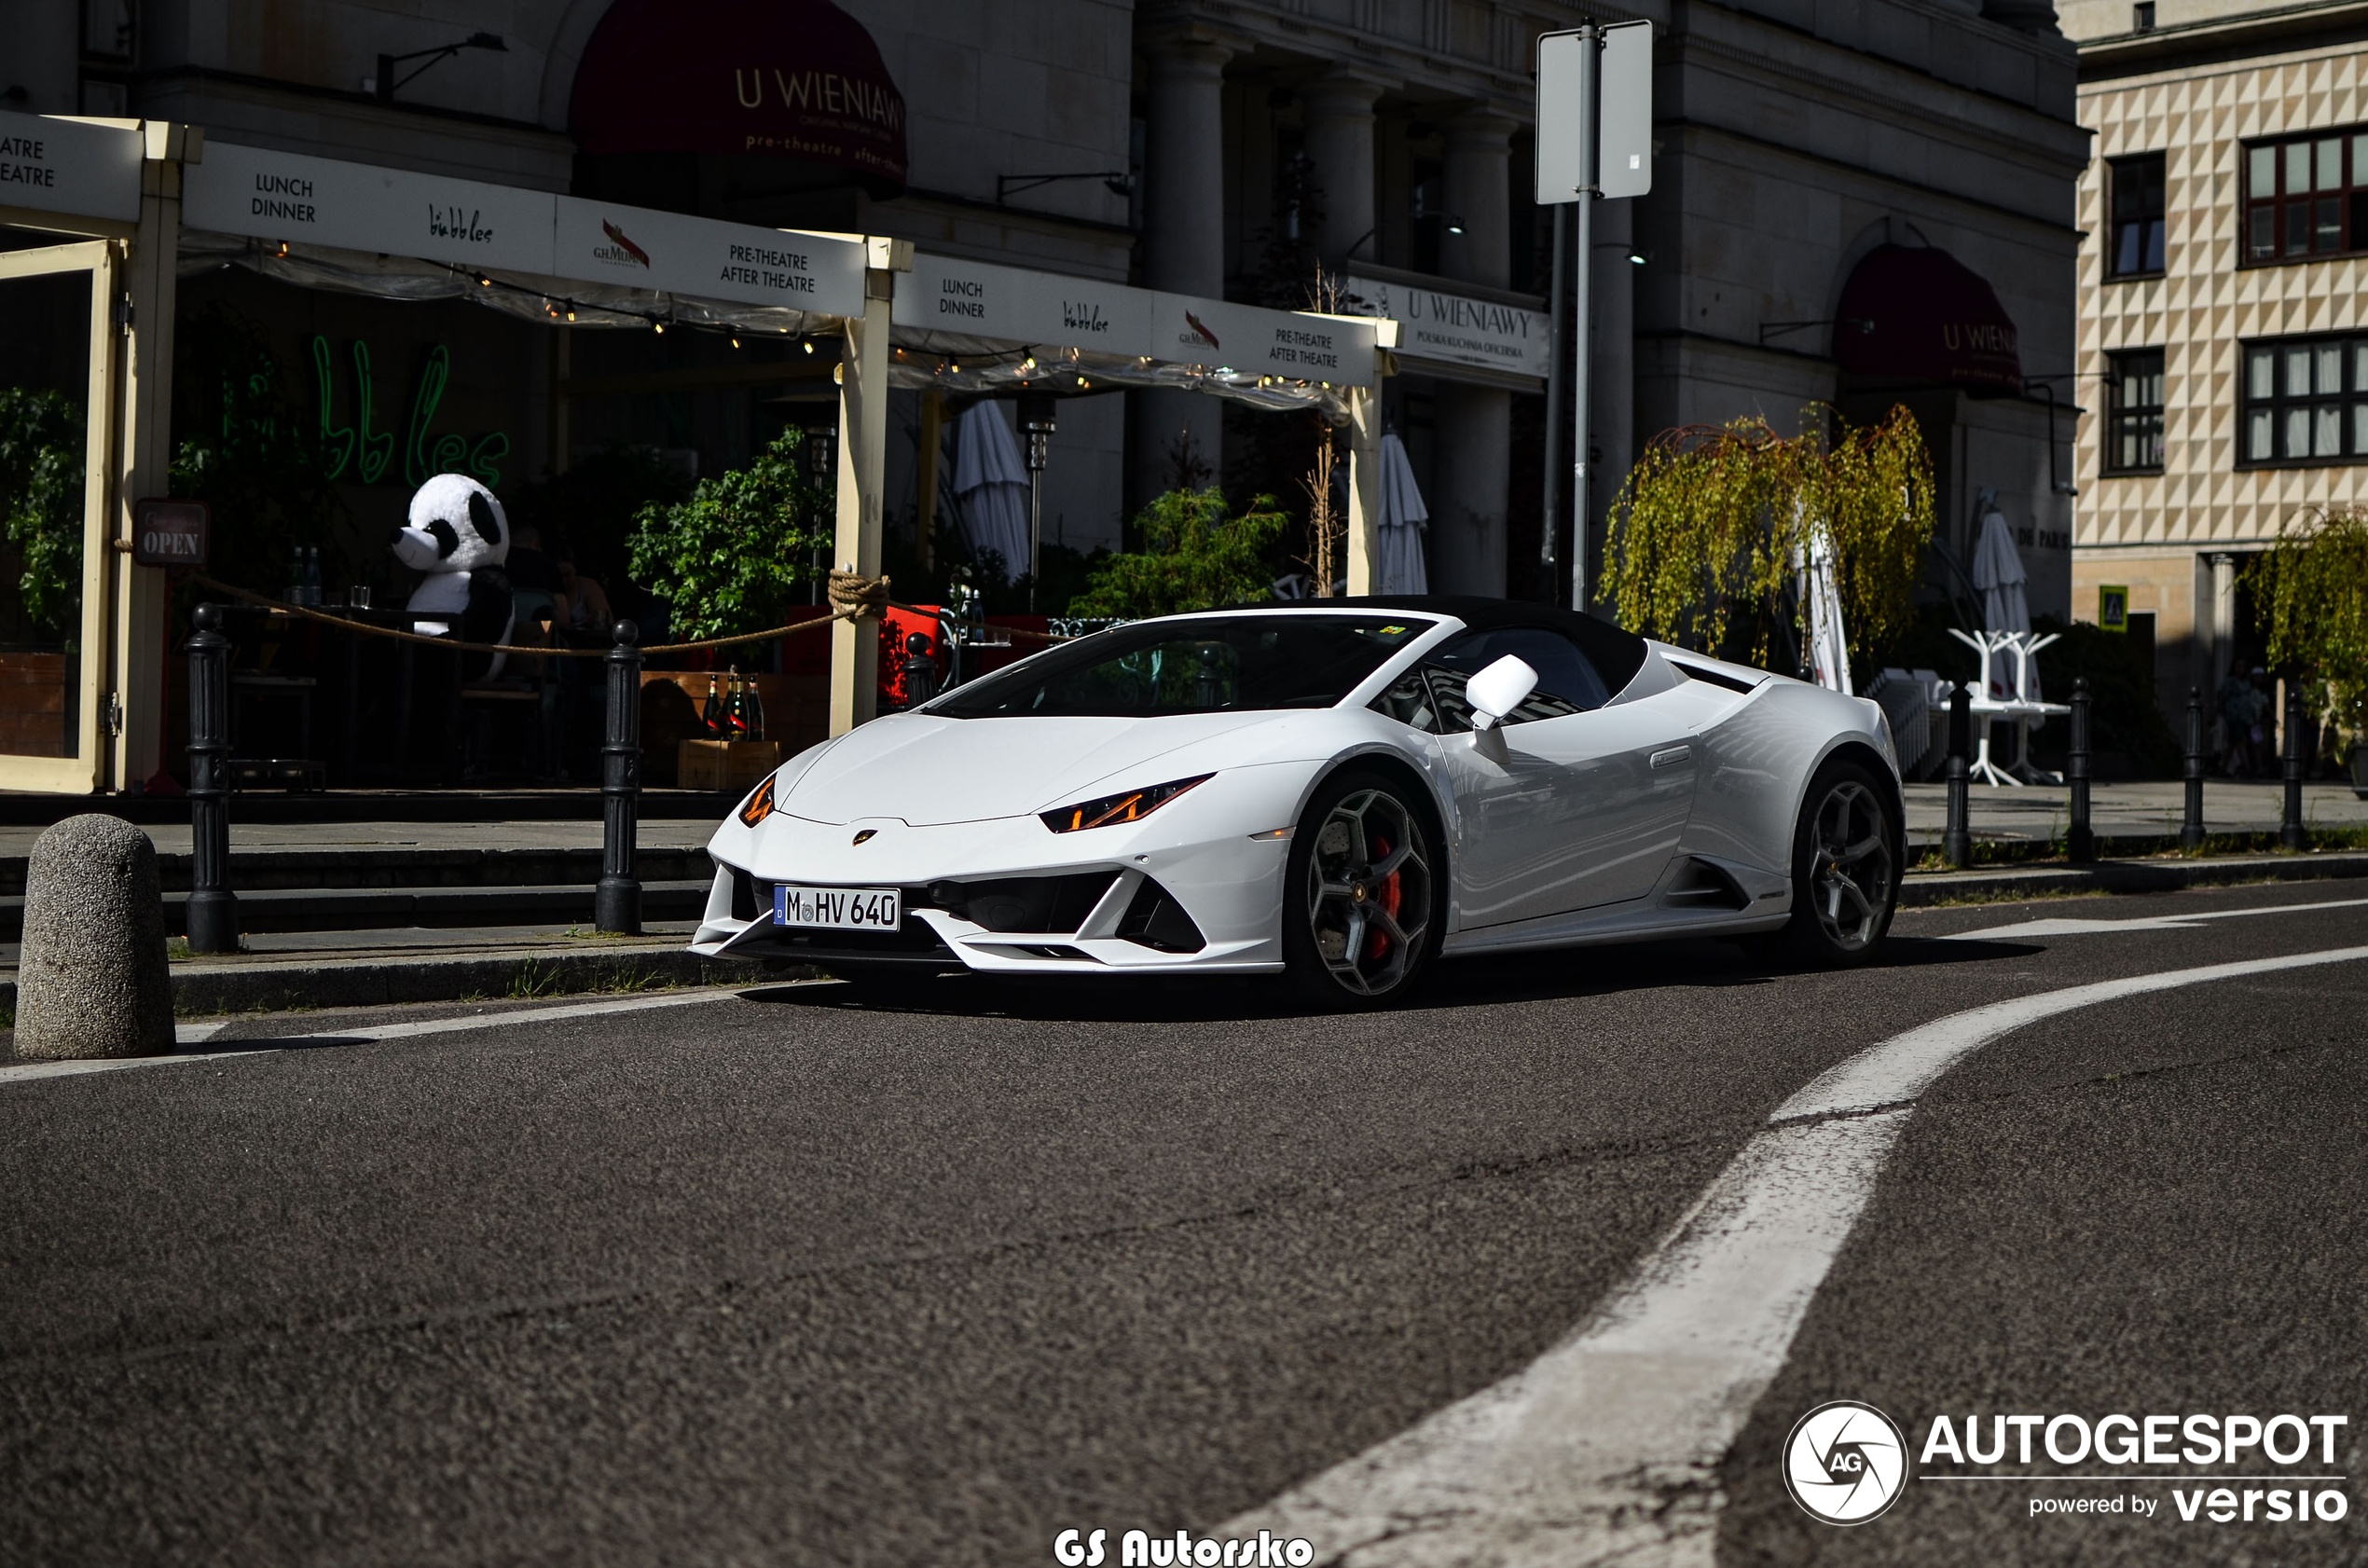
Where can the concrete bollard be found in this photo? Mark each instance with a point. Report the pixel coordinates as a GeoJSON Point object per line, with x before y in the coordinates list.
{"type": "Point", "coordinates": [91, 980]}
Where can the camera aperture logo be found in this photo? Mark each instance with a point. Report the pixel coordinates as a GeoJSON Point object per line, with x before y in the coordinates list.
{"type": "Point", "coordinates": [1845, 1462]}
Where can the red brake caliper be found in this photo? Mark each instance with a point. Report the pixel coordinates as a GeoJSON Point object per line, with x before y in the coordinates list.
{"type": "Point", "coordinates": [1389, 896]}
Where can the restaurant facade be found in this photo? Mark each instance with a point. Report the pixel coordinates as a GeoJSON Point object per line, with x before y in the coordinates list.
{"type": "Point", "coordinates": [998, 190]}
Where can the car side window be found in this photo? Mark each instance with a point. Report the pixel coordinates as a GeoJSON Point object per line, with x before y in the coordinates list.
{"type": "Point", "coordinates": [1409, 701]}
{"type": "Point", "coordinates": [1567, 683]}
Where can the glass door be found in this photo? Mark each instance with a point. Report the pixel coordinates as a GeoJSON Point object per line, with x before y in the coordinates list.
{"type": "Point", "coordinates": [57, 380]}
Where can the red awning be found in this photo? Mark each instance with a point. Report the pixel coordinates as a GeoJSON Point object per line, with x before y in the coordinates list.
{"type": "Point", "coordinates": [781, 78]}
{"type": "Point", "coordinates": [1917, 314]}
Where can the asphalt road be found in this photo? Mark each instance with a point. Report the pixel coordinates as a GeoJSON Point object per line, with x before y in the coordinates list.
{"type": "Point", "coordinates": [787, 1279]}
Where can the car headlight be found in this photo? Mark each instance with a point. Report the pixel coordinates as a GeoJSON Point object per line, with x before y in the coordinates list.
{"type": "Point", "coordinates": [759, 806]}
{"type": "Point", "coordinates": [1110, 810]}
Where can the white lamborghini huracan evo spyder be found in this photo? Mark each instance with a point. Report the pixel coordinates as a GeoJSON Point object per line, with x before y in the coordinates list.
{"type": "Point", "coordinates": [1339, 789]}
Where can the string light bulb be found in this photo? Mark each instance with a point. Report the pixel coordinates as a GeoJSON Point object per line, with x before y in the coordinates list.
{"type": "Point", "coordinates": [485, 283]}
{"type": "Point", "coordinates": [736, 342]}
{"type": "Point", "coordinates": [659, 326]}
{"type": "Point", "coordinates": [809, 346]}
{"type": "Point", "coordinates": [571, 312]}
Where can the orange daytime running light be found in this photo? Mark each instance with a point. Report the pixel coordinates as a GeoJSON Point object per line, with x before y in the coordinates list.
{"type": "Point", "coordinates": [760, 805]}
{"type": "Point", "coordinates": [1110, 810]}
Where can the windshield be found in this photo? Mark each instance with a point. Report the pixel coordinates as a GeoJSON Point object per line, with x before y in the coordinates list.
{"type": "Point", "coordinates": [1219, 664]}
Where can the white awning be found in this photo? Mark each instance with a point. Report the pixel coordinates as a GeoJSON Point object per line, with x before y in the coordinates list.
{"type": "Point", "coordinates": [974, 327]}
{"type": "Point", "coordinates": [392, 232]}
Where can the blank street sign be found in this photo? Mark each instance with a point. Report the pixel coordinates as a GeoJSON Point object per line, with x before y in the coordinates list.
{"type": "Point", "coordinates": [1625, 123]}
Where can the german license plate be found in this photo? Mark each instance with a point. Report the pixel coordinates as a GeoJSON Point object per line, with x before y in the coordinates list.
{"type": "Point", "coordinates": [843, 909]}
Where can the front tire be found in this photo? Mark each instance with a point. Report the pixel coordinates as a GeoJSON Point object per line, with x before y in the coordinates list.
{"type": "Point", "coordinates": [1361, 893]}
{"type": "Point", "coordinates": [1849, 849]}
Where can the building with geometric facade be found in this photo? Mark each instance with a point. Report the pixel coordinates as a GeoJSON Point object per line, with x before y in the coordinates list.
{"type": "Point", "coordinates": [2224, 345]}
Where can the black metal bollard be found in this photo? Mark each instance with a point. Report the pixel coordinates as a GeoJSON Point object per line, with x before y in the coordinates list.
{"type": "Point", "coordinates": [2289, 835]}
{"type": "Point", "coordinates": [2080, 845]}
{"type": "Point", "coordinates": [616, 903]}
{"type": "Point", "coordinates": [1957, 842]}
{"type": "Point", "coordinates": [2191, 828]}
{"type": "Point", "coordinates": [212, 907]}
{"type": "Point", "coordinates": [920, 670]}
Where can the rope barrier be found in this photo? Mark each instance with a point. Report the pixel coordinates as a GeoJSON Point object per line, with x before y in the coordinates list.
{"type": "Point", "coordinates": [852, 595]}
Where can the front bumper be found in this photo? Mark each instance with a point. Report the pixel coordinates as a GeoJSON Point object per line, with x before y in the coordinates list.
{"type": "Point", "coordinates": [964, 886]}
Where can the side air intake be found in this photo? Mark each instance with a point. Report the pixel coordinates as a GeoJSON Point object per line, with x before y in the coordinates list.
{"type": "Point", "coordinates": [1700, 884]}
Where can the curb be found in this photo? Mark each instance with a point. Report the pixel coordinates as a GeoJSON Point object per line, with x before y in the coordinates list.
{"type": "Point", "coordinates": [1924, 890]}
{"type": "Point", "coordinates": [203, 989]}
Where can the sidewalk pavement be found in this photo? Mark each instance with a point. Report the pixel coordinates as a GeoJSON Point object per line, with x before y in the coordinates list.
{"type": "Point", "coordinates": [2128, 818]}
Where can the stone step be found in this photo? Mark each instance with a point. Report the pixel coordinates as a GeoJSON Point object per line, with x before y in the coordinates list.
{"type": "Point", "coordinates": [420, 867]}
{"type": "Point", "coordinates": [348, 909]}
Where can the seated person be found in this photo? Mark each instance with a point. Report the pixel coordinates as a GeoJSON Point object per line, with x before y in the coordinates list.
{"type": "Point", "coordinates": [530, 566]}
{"type": "Point", "coordinates": [582, 606]}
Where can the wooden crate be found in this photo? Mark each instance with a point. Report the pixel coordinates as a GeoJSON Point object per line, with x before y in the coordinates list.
{"type": "Point", "coordinates": [729, 766]}
{"type": "Point", "coordinates": [32, 704]}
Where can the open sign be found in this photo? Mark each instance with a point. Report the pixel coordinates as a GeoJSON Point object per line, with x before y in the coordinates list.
{"type": "Point", "coordinates": [170, 532]}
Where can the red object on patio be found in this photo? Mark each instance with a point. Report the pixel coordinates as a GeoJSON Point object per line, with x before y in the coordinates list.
{"type": "Point", "coordinates": [1917, 314]}
{"type": "Point", "coordinates": [796, 79]}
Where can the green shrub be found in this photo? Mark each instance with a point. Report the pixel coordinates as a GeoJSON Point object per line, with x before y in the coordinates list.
{"type": "Point", "coordinates": [738, 554]}
{"type": "Point", "coordinates": [1194, 557]}
{"type": "Point", "coordinates": [41, 493]}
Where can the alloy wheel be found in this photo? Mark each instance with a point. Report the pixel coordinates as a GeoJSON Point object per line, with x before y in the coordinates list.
{"type": "Point", "coordinates": [1369, 891]}
{"type": "Point", "coordinates": [1850, 865]}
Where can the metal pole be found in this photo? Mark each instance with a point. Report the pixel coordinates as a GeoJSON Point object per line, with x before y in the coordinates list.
{"type": "Point", "coordinates": [213, 908]}
{"type": "Point", "coordinates": [1035, 521]}
{"type": "Point", "coordinates": [2289, 835]}
{"type": "Point", "coordinates": [1036, 420]}
{"type": "Point", "coordinates": [1957, 841]}
{"type": "Point", "coordinates": [616, 901]}
{"type": "Point", "coordinates": [2191, 830]}
{"type": "Point", "coordinates": [1583, 306]}
{"type": "Point", "coordinates": [2080, 845]}
{"type": "Point", "coordinates": [1555, 377]}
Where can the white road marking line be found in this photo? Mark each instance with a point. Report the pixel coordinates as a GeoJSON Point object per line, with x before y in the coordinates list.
{"type": "Point", "coordinates": [2067, 925]}
{"type": "Point", "coordinates": [1607, 1449]}
{"type": "Point", "coordinates": [190, 1034]}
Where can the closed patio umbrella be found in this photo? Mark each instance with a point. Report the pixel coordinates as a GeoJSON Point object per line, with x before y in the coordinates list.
{"type": "Point", "coordinates": [1999, 574]}
{"type": "Point", "coordinates": [990, 482]}
{"type": "Point", "coordinates": [1397, 542]}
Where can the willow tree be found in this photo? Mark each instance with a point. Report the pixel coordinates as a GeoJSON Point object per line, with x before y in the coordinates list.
{"type": "Point", "coordinates": [1715, 518]}
{"type": "Point", "coordinates": [2312, 587]}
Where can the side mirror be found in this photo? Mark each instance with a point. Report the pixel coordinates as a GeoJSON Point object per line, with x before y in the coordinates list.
{"type": "Point", "coordinates": [1498, 690]}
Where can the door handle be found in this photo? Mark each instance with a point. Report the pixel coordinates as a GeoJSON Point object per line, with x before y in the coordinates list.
{"type": "Point", "coordinates": [1670, 756]}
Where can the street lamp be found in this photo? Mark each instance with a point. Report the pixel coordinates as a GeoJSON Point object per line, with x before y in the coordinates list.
{"type": "Point", "coordinates": [384, 83]}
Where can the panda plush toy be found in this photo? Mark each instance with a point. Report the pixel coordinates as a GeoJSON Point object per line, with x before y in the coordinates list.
{"type": "Point", "coordinates": [458, 540]}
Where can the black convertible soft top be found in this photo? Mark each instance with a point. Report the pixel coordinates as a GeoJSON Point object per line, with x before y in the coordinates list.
{"type": "Point", "coordinates": [1618, 654]}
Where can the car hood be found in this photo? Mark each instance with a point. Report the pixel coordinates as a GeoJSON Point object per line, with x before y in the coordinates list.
{"type": "Point", "coordinates": [926, 771]}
